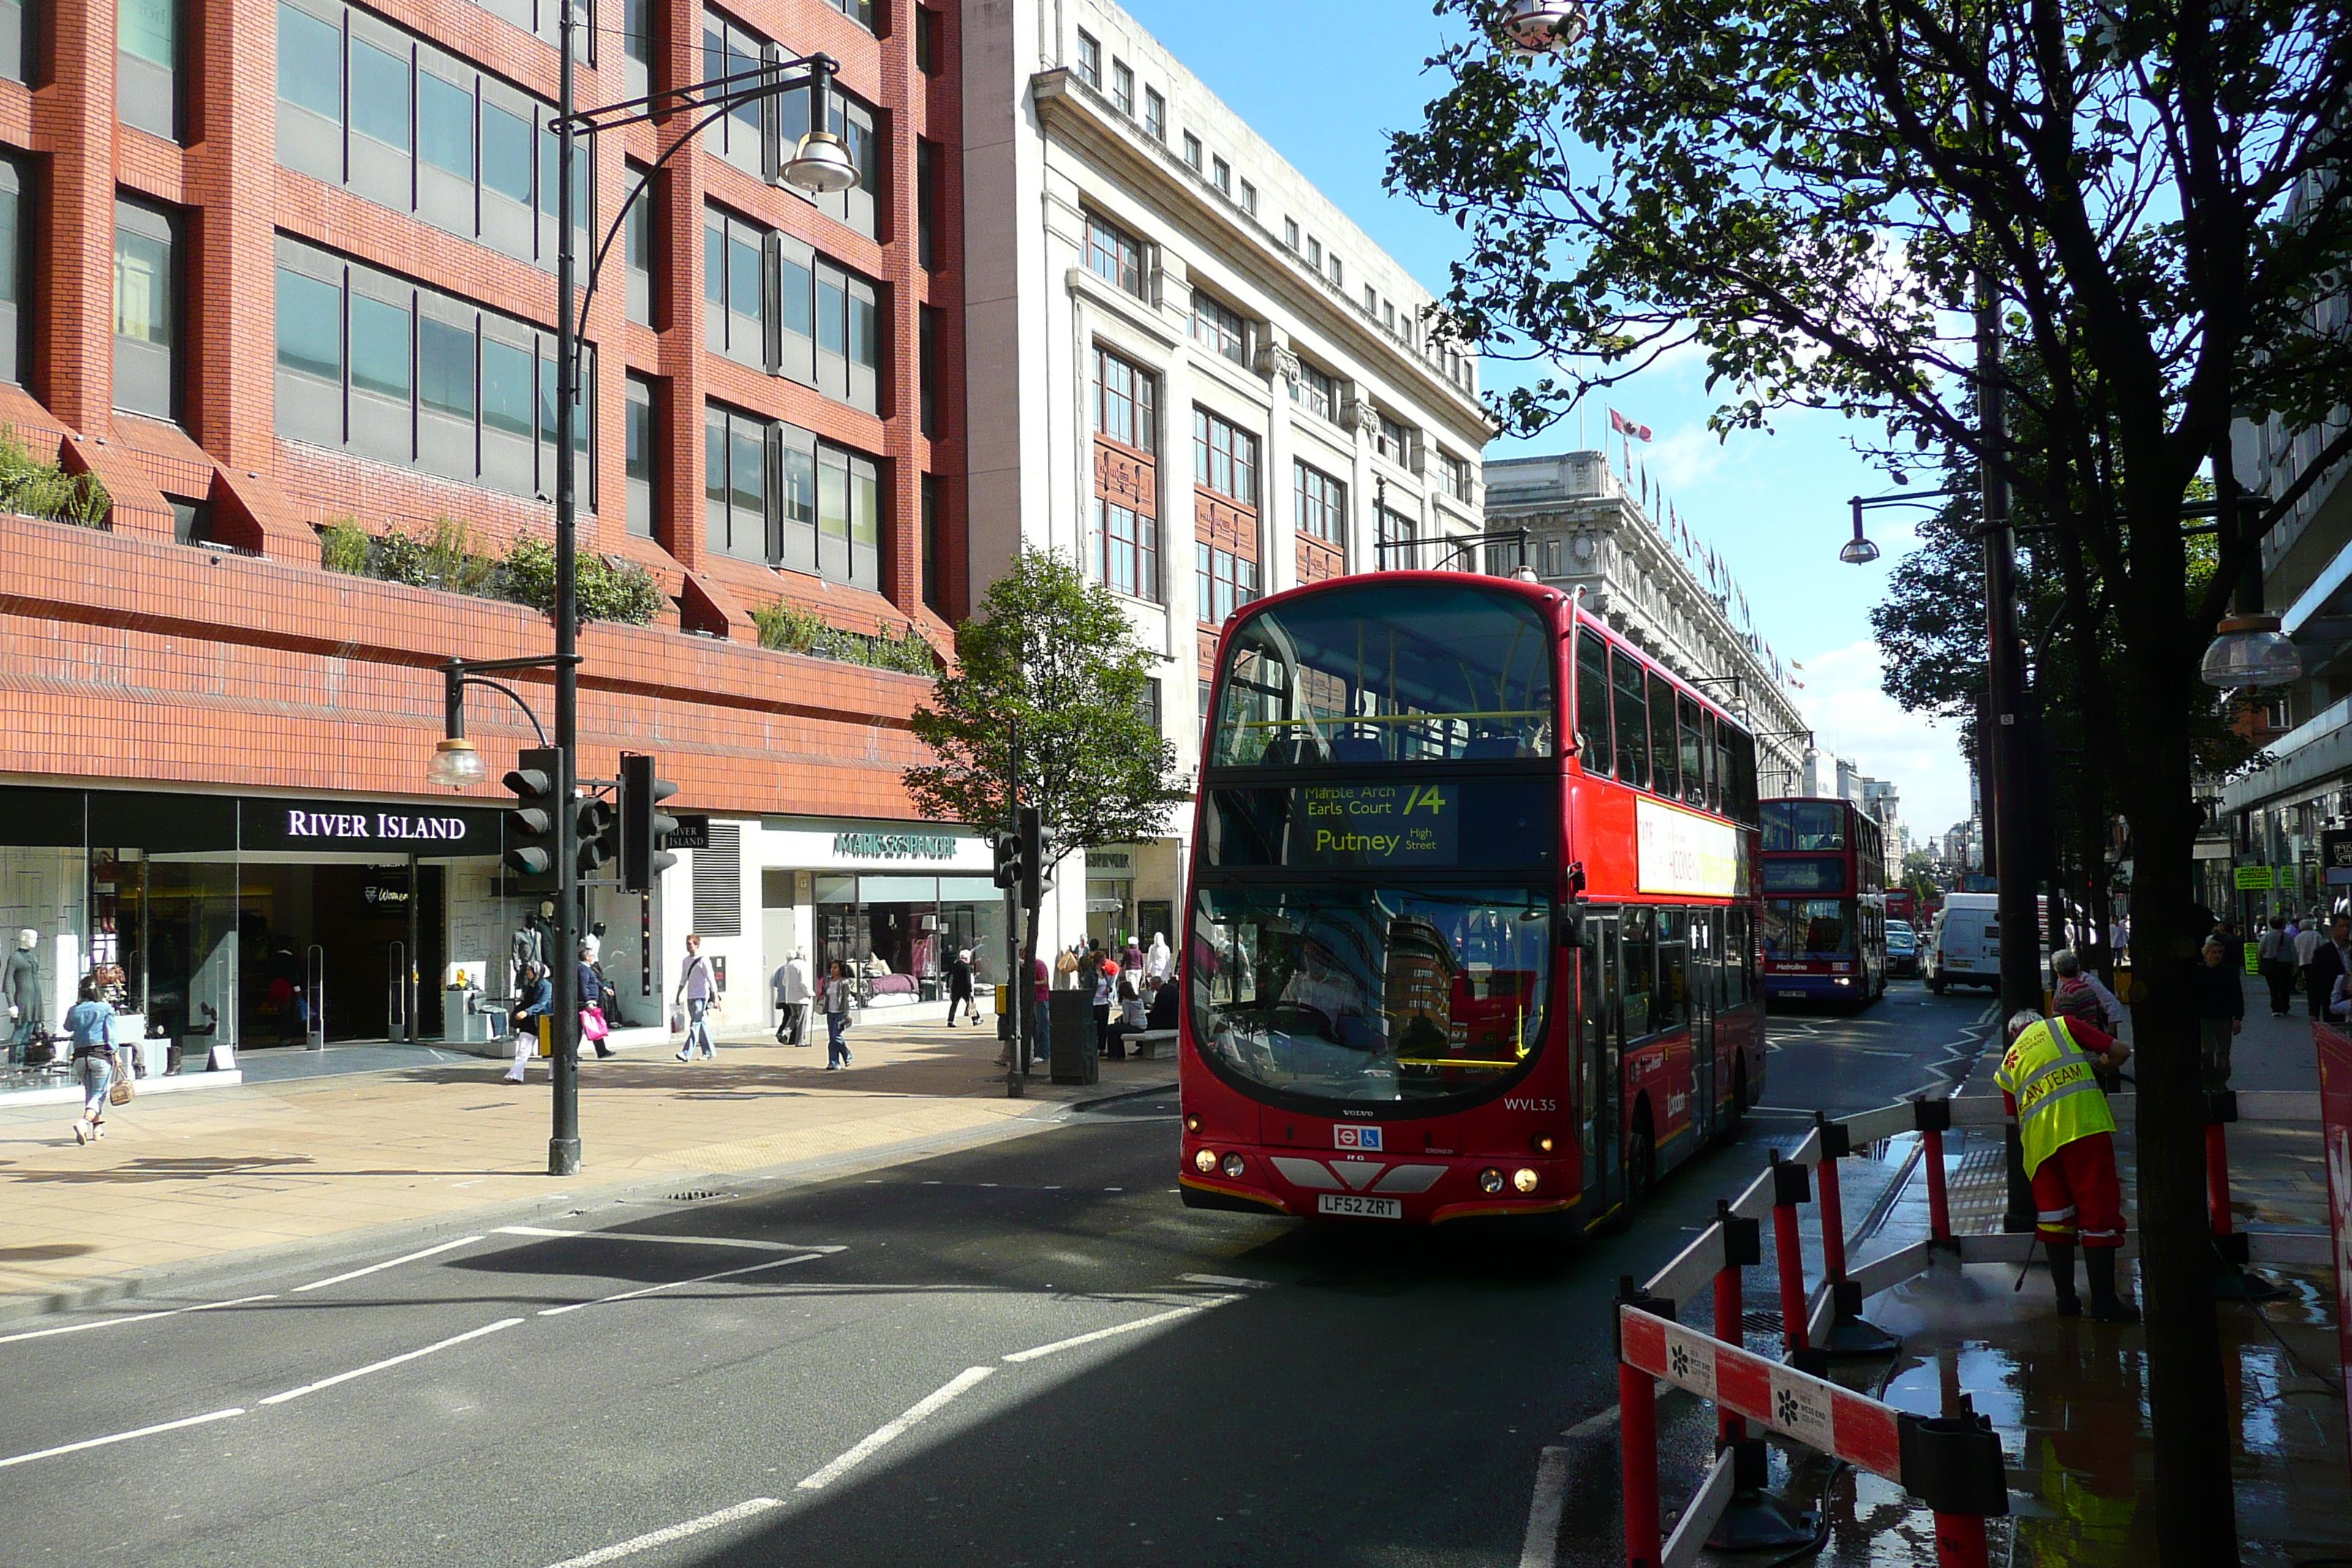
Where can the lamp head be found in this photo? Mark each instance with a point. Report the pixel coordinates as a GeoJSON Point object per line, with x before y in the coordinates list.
{"type": "Point", "coordinates": [1543, 26]}
{"type": "Point", "coordinates": [820, 164]}
{"type": "Point", "coordinates": [2251, 650]}
{"type": "Point", "coordinates": [456, 764]}
{"type": "Point", "coordinates": [1858, 551]}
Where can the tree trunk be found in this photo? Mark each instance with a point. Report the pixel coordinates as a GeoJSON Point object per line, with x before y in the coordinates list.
{"type": "Point", "coordinates": [2195, 1512]}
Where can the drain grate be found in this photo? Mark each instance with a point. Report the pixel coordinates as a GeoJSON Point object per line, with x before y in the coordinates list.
{"type": "Point", "coordinates": [1760, 1322]}
{"type": "Point", "coordinates": [695, 1198]}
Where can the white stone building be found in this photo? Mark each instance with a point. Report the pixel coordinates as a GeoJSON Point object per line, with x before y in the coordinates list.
{"type": "Point", "coordinates": [1585, 533]}
{"type": "Point", "coordinates": [1187, 368]}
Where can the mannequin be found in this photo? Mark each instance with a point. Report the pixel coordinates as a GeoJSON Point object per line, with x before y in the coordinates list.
{"type": "Point", "coordinates": [529, 942]}
{"type": "Point", "coordinates": [21, 989]}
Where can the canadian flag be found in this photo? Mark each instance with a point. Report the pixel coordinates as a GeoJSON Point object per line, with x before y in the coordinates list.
{"type": "Point", "coordinates": [1624, 427]}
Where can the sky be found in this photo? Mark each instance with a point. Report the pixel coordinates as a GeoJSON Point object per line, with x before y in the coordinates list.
{"type": "Point", "coordinates": [1325, 83]}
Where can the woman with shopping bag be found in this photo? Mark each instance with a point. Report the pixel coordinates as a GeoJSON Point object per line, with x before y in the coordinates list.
{"type": "Point", "coordinates": [538, 997]}
{"type": "Point", "coordinates": [593, 1025]}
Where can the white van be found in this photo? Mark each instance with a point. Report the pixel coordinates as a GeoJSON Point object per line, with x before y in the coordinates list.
{"type": "Point", "coordinates": [1963, 947]}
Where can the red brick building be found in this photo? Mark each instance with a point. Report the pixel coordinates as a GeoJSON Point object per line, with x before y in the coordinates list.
{"type": "Point", "coordinates": [274, 270]}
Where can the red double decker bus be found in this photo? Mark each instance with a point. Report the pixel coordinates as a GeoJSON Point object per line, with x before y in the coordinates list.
{"type": "Point", "coordinates": [1439, 961]}
{"type": "Point", "coordinates": [1824, 922]}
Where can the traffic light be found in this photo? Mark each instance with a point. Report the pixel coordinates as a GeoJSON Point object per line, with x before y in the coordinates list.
{"type": "Point", "coordinates": [596, 834]}
{"type": "Point", "coordinates": [535, 780]}
{"type": "Point", "coordinates": [1030, 865]}
{"type": "Point", "coordinates": [643, 823]}
{"type": "Point", "coordinates": [1007, 846]}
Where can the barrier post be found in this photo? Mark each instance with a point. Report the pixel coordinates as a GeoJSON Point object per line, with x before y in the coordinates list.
{"type": "Point", "coordinates": [1952, 1463]}
{"type": "Point", "coordinates": [1637, 1436]}
{"type": "Point", "coordinates": [1791, 1186]}
{"type": "Point", "coordinates": [2230, 1281]}
{"type": "Point", "coordinates": [1933, 1118]}
{"type": "Point", "coordinates": [1849, 1334]}
{"type": "Point", "coordinates": [1752, 1520]}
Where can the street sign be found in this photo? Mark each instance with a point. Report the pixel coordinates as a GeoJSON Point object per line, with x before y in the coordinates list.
{"type": "Point", "coordinates": [2255, 879]}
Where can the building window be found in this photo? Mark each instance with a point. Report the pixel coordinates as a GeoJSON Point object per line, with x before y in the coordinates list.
{"type": "Point", "coordinates": [1225, 457]}
{"type": "Point", "coordinates": [1127, 549]}
{"type": "Point", "coordinates": [1218, 328]}
{"type": "Point", "coordinates": [1314, 253]}
{"type": "Point", "coordinates": [1192, 151]}
{"type": "Point", "coordinates": [1089, 61]}
{"type": "Point", "coordinates": [1122, 87]}
{"type": "Point", "coordinates": [420, 130]}
{"type": "Point", "coordinates": [858, 11]}
{"type": "Point", "coordinates": [1388, 314]}
{"type": "Point", "coordinates": [1291, 233]}
{"type": "Point", "coordinates": [638, 246]}
{"type": "Point", "coordinates": [1114, 255]}
{"type": "Point", "coordinates": [1155, 114]}
{"type": "Point", "coordinates": [19, 38]}
{"type": "Point", "coordinates": [735, 484]}
{"type": "Point", "coordinates": [1322, 505]}
{"type": "Point", "coordinates": [1223, 581]}
{"type": "Point", "coordinates": [636, 48]}
{"type": "Point", "coordinates": [1372, 301]}
{"type": "Point", "coordinates": [927, 40]}
{"type": "Point", "coordinates": [1221, 174]}
{"type": "Point", "coordinates": [14, 300]}
{"type": "Point", "coordinates": [1339, 273]}
{"type": "Point", "coordinates": [387, 368]}
{"type": "Point", "coordinates": [1125, 403]}
{"type": "Point", "coordinates": [930, 542]}
{"type": "Point", "coordinates": [1453, 476]}
{"type": "Point", "coordinates": [856, 123]}
{"type": "Point", "coordinates": [1153, 714]}
{"type": "Point", "coordinates": [1249, 198]}
{"type": "Point", "coordinates": [774, 492]}
{"type": "Point", "coordinates": [927, 203]}
{"type": "Point", "coordinates": [1396, 534]}
{"type": "Point", "coordinates": [734, 296]}
{"type": "Point", "coordinates": [147, 66]}
{"type": "Point", "coordinates": [146, 311]}
{"type": "Point", "coordinates": [643, 460]}
{"type": "Point", "coordinates": [1393, 441]}
{"type": "Point", "coordinates": [927, 367]}
{"type": "Point", "coordinates": [741, 135]}
{"type": "Point", "coordinates": [1317, 392]}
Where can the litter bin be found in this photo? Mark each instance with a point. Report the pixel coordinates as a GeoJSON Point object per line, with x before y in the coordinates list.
{"type": "Point", "coordinates": [1073, 1037]}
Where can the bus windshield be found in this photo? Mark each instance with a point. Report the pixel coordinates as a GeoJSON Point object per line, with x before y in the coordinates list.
{"type": "Point", "coordinates": [1809, 928]}
{"type": "Point", "coordinates": [1365, 994]}
{"type": "Point", "coordinates": [1388, 673]}
{"type": "Point", "coordinates": [1803, 825]}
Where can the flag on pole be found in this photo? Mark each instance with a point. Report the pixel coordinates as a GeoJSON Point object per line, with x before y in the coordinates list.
{"type": "Point", "coordinates": [1624, 427]}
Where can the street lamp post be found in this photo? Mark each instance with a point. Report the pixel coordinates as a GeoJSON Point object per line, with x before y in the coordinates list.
{"type": "Point", "coordinates": [820, 163]}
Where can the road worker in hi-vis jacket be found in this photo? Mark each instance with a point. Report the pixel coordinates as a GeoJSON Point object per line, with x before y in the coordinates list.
{"type": "Point", "coordinates": [2068, 1131]}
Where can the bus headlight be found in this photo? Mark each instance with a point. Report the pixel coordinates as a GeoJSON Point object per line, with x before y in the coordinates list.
{"type": "Point", "coordinates": [1540, 1142]}
{"type": "Point", "coordinates": [1234, 1167]}
{"type": "Point", "coordinates": [1192, 1123]}
{"type": "Point", "coordinates": [1490, 1179]}
{"type": "Point", "coordinates": [1205, 1161]}
{"type": "Point", "coordinates": [1522, 1179]}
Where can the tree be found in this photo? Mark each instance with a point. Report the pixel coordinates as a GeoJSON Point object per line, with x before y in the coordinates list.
{"type": "Point", "coordinates": [1809, 191]}
{"type": "Point", "coordinates": [1053, 664]}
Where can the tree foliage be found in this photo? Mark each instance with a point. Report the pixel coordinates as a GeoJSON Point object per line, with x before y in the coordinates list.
{"type": "Point", "coordinates": [1052, 658]}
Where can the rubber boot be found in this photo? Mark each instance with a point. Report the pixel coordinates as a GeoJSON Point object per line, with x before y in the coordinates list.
{"type": "Point", "coordinates": [2107, 1307]}
{"type": "Point", "coordinates": [2062, 1276]}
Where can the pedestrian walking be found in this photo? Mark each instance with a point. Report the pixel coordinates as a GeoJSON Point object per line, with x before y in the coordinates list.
{"type": "Point", "coordinates": [2078, 996]}
{"type": "Point", "coordinates": [2068, 1132]}
{"type": "Point", "coordinates": [2276, 956]}
{"type": "Point", "coordinates": [594, 1025]}
{"type": "Point", "coordinates": [2309, 933]}
{"type": "Point", "coordinates": [1101, 975]}
{"type": "Point", "coordinates": [794, 992]}
{"type": "Point", "coordinates": [840, 995]}
{"type": "Point", "coordinates": [2221, 1012]}
{"type": "Point", "coordinates": [696, 989]}
{"type": "Point", "coordinates": [1157, 962]}
{"type": "Point", "coordinates": [90, 1023]}
{"type": "Point", "coordinates": [2330, 960]}
{"type": "Point", "coordinates": [959, 991]}
{"type": "Point", "coordinates": [537, 994]}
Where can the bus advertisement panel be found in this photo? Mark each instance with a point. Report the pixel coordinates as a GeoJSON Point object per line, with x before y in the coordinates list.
{"type": "Point", "coordinates": [1452, 952]}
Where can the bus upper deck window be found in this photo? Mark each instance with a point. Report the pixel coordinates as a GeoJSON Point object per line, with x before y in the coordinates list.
{"type": "Point", "coordinates": [1632, 719]}
{"type": "Point", "coordinates": [1592, 703]}
{"type": "Point", "coordinates": [1666, 772]}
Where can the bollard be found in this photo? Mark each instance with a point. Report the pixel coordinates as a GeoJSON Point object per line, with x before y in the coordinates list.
{"type": "Point", "coordinates": [2217, 1177]}
{"type": "Point", "coordinates": [1933, 1118]}
{"type": "Point", "coordinates": [1953, 1464]}
{"type": "Point", "coordinates": [1960, 1541]}
{"type": "Point", "coordinates": [1637, 1438]}
{"type": "Point", "coordinates": [1752, 1520]}
{"type": "Point", "coordinates": [2230, 1281]}
{"type": "Point", "coordinates": [1849, 1334]}
{"type": "Point", "coordinates": [1790, 1188]}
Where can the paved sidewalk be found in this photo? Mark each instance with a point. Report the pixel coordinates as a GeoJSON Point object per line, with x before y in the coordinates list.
{"type": "Point", "coordinates": [187, 1181]}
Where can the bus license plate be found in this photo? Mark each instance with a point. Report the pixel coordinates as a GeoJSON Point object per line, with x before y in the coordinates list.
{"type": "Point", "coordinates": [1363, 1209]}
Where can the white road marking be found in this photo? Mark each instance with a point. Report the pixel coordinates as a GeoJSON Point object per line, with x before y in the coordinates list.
{"type": "Point", "coordinates": [1541, 1547]}
{"type": "Point", "coordinates": [122, 1437]}
{"type": "Point", "coordinates": [647, 1541]}
{"type": "Point", "coordinates": [1078, 1340]}
{"type": "Point", "coordinates": [394, 1263]}
{"type": "Point", "coordinates": [672, 1240]}
{"type": "Point", "coordinates": [391, 1361]}
{"type": "Point", "coordinates": [1599, 1420]}
{"type": "Point", "coordinates": [698, 1279]}
{"type": "Point", "coordinates": [133, 1318]}
{"type": "Point", "coordinates": [1226, 1279]}
{"type": "Point", "coordinates": [920, 1411]}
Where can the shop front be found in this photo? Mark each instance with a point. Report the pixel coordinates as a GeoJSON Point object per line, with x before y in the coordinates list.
{"type": "Point", "coordinates": [1133, 891]}
{"type": "Point", "coordinates": [892, 901]}
{"type": "Point", "coordinates": [226, 922]}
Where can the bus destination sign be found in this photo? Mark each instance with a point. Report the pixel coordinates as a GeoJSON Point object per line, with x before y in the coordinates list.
{"type": "Point", "coordinates": [1376, 826]}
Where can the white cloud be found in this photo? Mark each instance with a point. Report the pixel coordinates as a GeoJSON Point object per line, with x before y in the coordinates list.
{"type": "Point", "coordinates": [1851, 716]}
